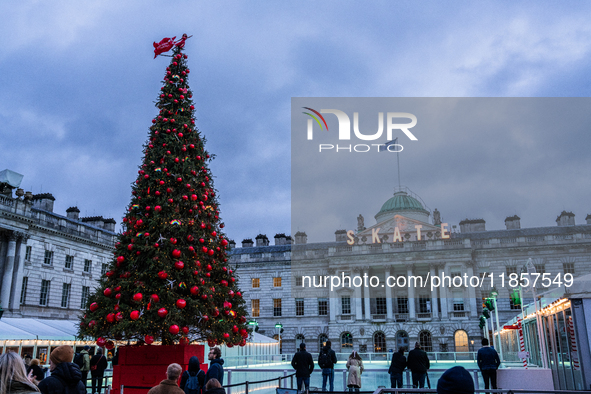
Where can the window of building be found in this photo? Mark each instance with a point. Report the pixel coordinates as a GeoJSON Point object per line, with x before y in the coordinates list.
{"type": "Point", "coordinates": [44, 295]}
{"type": "Point", "coordinates": [28, 250]}
{"type": "Point", "coordinates": [540, 268]}
{"type": "Point", "coordinates": [299, 338]}
{"type": "Point", "coordinates": [346, 341]}
{"type": "Point", "coordinates": [402, 340]}
{"type": "Point", "coordinates": [461, 341]}
{"type": "Point", "coordinates": [87, 265]}
{"type": "Point", "coordinates": [104, 268]}
{"type": "Point", "coordinates": [323, 306]}
{"type": "Point", "coordinates": [85, 294]}
{"type": "Point", "coordinates": [298, 281]}
{"type": "Point", "coordinates": [277, 307]}
{"type": "Point", "coordinates": [66, 294]}
{"type": "Point", "coordinates": [256, 283]}
{"type": "Point", "coordinates": [425, 341]}
{"type": "Point", "coordinates": [569, 268]}
{"type": "Point", "coordinates": [511, 270]}
{"type": "Point", "coordinates": [424, 305]}
{"type": "Point", "coordinates": [24, 290]}
{"type": "Point", "coordinates": [379, 342]}
{"type": "Point", "coordinates": [299, 305]}
{"type": "Point", "coordinates": [255, 308]}
{"type": "Point", "coordinates": [69, 262]}
{"type": "Point", "coordinates": [381, 308]}
{"type": "Point", "coordinates": [48, 259]}
{"type": "Point", "coordinates": [322, 338]}
{"type": "Point", "coordinates": [277, 281]}
{"type": "Point", "coordinates": [346, 305]}
{"type": "Point", "coordinates": [402, 304]}
{"type": "Point", "coordinates": [458, 301]}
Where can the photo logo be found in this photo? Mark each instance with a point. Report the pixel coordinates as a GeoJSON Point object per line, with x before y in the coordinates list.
{"type": "Point", "coordinates": [392, 124]}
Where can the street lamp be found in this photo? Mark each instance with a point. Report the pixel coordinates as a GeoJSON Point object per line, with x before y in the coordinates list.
{"type": "Point", "coordinates": [279, 327]}
{"type": "Point", "coordinates": [472, 343]}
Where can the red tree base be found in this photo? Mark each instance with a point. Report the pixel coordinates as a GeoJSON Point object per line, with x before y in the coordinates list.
{"type": "Point", "coordinates": [145, 366]}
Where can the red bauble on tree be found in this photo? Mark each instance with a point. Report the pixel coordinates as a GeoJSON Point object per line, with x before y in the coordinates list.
{"type": "Point", "coordinates": [174, 329]}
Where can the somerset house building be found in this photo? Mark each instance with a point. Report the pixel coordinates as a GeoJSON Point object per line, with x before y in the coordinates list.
{"type": "Point", "coordinates": [49, 263]}
{"type": "Point", "coordinates": [411, 241]}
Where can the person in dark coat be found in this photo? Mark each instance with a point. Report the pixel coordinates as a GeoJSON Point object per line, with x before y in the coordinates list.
{"type": "Point", "coordinates": [38, 372]}
{"type": "Point", "coordinates": [216, 366]}
{"type": "Point", "coordinates": [194, 369]}
{"type": "Point", "coordinates": [65, 375]}
{"type": "Point", "coordinates": [455, 380]}
{"type": "Point", "coordinates": [397, 367]}
{"type": "Point", "coordinates": [214, 387]}
{"type": "Point", "coordinates": [98, 364]}
{"type": "Point", "coordinates": [418, 363]}
{"type": "Point", "coordinates": [328, 370]}
{"type": "Point", "coordinates": [488, 362]}
{"type": "Point", "coordinates": [303, 363]}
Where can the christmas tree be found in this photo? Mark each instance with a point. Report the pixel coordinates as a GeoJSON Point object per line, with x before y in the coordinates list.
{"type": "Point", "coordinates": [169, 279]}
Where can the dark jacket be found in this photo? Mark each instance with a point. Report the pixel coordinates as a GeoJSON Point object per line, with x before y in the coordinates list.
{"type": "Point", "coordinates": [101, 364]}
{"type": "Point", "coordinates": [215, 370]}
{"type": "Point", "coordinates": [303, 363]}
{"type": "Point", "coordinates": [194, 369]}
{"type": "Point", "coordinates": [20, 388]}
{"type": "Point", "coordinates": [488, 359]}
{"type": "Point", "coordinates": [38, 372]}
{"type": "Point", "coordinates": [331, 355]}
{"type": "Point", "coordinates": [64, 379]}
{"type": "Point", "coordinates": [217, 390]}
{"type": "Point", "coordinates": [418, 362]}
{"type": "Point", "coordinates": [398, 363]}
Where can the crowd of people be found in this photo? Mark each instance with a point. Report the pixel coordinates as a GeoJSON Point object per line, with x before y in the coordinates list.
{"type": "Point", "coordinates": [454, 380]}
{"type": "Point", "coordinates": [69, 372]}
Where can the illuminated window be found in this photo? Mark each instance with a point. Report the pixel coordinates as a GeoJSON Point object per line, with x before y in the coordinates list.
{"type": "Point", "coordinates": [379, 342]}
{"type": "Point", "coordinates": [255, 308]}
{"type": "Point", "coordinates": [277, 307]}
{"type": "Point", "coordinates": [425, 341]}
{"type": "Point", "coordinates": [461, 341]}
{"type": "Point", "coordinates": [277, 282]}
{"type": "Point", "coordinates": [256, 283]}
{"type": "Point", "coordinates": [346, 341]}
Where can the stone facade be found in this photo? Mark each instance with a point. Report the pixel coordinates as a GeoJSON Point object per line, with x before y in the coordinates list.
{"type": "Point", "coordinates": [378, 319]}
{"type": "Point", "coordinates": [48, 262]}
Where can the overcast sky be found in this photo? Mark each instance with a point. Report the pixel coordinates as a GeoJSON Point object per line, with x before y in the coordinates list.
{"type": "Point", "coordinates": [78, 84]}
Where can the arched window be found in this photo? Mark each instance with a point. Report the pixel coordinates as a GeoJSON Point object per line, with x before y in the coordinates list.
{"type": "Point", "coordinates": [402, 340]}
{"type": "Point", "coordinates": [299, 338]}
{"type": "Point", "coordinates": [346, 341]}
{"type": "Point", "coordinates": [322, 338]}
{"type": "Point", "coordinates": [379, 342]}
{"type": "Point", "coordinates": [425, 341]}
{"type": "Point", "coordinates": [276, 337]}
{"type": "Point", "coordinates": [461, 341]}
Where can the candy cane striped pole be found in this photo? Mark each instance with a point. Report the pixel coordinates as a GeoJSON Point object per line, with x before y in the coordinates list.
{"type": "Point", "coordinates": [573, 343]}
{"type": "Point", "coordinates": [521, 342]}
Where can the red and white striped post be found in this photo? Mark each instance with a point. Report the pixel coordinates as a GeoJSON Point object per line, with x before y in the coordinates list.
{"type": "Point", "coordinates": [521, 342]}
{"type": "Point", "coordinates": [573, 344]}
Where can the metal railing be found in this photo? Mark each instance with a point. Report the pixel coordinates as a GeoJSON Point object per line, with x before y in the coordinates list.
{"type": "Point", "coordinates": [492, 391]}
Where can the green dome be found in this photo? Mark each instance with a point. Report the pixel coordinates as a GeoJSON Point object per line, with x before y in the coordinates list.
{"type": "Point", "coordinates": [402, 202]}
